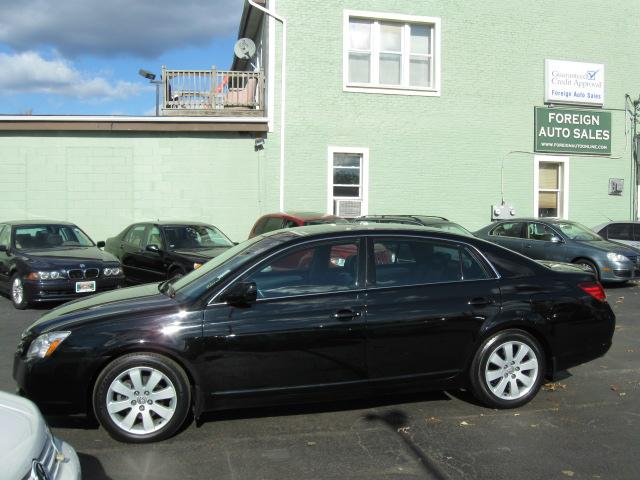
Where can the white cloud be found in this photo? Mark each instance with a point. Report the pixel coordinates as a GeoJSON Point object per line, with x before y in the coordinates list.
{"type": "Point", "coordinates": [28, 72]}
{"type": "Point", "coordinates": [98, 27]}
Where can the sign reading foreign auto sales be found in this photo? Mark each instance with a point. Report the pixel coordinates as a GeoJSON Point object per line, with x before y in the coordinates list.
{"type": "Point", "coordinates": [560, 130]}
{"type": "Point", "coordinates": [574, 82]}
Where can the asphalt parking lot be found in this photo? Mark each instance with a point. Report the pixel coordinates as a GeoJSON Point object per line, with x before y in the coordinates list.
{"type": "Point", "coordinates": [584, 426]}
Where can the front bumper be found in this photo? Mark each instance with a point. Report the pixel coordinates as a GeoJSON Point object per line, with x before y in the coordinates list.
{"type": "Point", "coordinates": [65, 289]}
{"type": "Point", "coordinates": [69, 467]}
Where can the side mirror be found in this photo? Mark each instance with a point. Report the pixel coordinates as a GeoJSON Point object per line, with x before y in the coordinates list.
{"type": "Point", "coordinates": [101, 244]}
{"type": "Point", "coordinates": [241, 294]}
{"type": "Point", "coordinates": [153, 248]}
{"type": "Point", "coordinates": [556, 240]}
{"type": "Point", "coordinates": [3, 248]}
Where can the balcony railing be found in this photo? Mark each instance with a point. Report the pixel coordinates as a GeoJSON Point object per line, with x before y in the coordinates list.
{"type": "Point", "coordinates": [212, 92]}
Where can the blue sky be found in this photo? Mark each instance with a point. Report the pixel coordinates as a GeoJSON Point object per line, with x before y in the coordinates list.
{"type": "Point", "coordinates": [81, 57]}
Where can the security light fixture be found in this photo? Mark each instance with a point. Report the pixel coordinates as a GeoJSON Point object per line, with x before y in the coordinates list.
{"type": "Point", "coordinates": [152, 79]}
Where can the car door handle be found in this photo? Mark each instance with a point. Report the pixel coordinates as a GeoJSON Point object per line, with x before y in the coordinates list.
{"type": "Point", "coordinates": [481, 302]}
{"type": "Point", "coordinates": [345, 315]}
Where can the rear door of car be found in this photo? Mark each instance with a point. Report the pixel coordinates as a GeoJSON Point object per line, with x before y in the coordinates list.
{"type": "Point", "coordinates": [426, 301]}
{"type": "Point", "coordinates": [509, 235]}
{"type": "Point", "coordinates": [5, 240]}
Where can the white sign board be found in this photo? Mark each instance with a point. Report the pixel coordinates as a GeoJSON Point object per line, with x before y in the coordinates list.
{"type": "Point", "coordinates": [573, 82]}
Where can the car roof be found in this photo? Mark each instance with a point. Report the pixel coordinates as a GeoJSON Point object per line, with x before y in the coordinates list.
{"type": "Point", "coordinates": [533, 219]}
{"type": "Point", "coordinates": [302, 216]}
{"type": "Point", "coordinates": [166, 223]}
{"type": "Point", "coordinates": [403, 218]}
{"type": "Point", "coordinates": [36, 222]}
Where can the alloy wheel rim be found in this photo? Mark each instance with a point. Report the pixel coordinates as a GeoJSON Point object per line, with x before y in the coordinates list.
{"type": "Point", "coordinates": [512, 370]}
{"type": "Point", "coordinates": [141, 400]}
{"type": "Point", "coordinates": [17, 291]}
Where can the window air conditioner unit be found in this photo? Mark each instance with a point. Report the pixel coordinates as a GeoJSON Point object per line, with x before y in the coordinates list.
{"type": "Point", "coordinates": [348, 208]}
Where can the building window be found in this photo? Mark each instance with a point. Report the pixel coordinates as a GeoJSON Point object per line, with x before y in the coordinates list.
{"type": "Point", "coordinates": [347, 182]}
{"type": "Point", "coordinates": [551, 185]}
{"type": "Point", "coordinates": [386, 53]}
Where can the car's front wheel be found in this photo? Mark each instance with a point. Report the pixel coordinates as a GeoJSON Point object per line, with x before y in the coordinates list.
{"type": "Point", "coordinates": [508, 369]}
{"type": "Point", "coordinates": [142, 397]}
{"type": "Point", "coordinates": [18, 297]}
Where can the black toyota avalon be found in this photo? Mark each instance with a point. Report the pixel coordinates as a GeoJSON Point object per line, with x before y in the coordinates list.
{"type": "Point", "coordinates": [43, 261]}
{"type": "Point", "coordinates": [313, 313]}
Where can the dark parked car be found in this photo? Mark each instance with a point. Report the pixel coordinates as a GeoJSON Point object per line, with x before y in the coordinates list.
{"type": "Point", "coordinates": [276, 221]}
{"type": "Point", "coordinates": [440, 223]}
{"type": "Point", "coordinates": [565, 241]}
{"type": "Point", "coordinates": [48, 261]}
{"type": "Point", "coordinates": [622, 232]}
{"type": "Point", "coordinates": [253, 327]}
{"type": "Point", "coordinates": [155, 251]}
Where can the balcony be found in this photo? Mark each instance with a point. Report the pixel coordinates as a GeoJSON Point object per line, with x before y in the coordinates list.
{"type": "Point", "coordinates": [212, 93]}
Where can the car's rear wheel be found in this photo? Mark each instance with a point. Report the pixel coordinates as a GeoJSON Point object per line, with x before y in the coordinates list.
{"type": "Point", "coordinates": [142, 397]}
{"type": "Point", "coordinates": [508, 369]}
{"type": "Point", "coordinates": [18, 297]}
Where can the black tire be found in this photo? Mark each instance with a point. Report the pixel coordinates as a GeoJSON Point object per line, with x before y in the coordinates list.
{"type": "Point", "coordinates": [173, 376]}
{"type": "Point", "coordinates": [511, 380]}
{"type": "Point", "coordinates": [590, 264]}
{"type": "Point", "coordinates": [19, 302]}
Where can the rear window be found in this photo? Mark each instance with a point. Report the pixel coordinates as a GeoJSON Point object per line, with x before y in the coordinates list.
{"type": "Point", "coordinates": [509, 264]}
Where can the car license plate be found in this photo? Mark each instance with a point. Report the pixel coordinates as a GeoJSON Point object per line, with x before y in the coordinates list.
{"type": "Point", "coordinates": [84, 287]}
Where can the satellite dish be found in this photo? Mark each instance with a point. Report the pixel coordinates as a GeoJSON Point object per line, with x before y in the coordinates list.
{"type": "Point", "coordinates": [244, 49]}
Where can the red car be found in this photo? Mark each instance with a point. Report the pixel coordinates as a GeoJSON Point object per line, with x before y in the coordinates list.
{"type": "Point", "coordinates": [276, 221]}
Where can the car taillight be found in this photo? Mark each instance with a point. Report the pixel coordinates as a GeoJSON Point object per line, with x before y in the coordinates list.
{"type": "Point", "coordinates": [594, 289]}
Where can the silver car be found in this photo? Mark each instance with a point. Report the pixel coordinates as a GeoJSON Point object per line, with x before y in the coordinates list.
{"type": "Point", "coordinates": [626, 232]}
{"type": "Point", "coordinates": [28, 450]}
{"type": "Point", "coordinates": [565, 241]}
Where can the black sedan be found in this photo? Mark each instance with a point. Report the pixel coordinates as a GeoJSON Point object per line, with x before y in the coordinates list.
{"type": "Point", "coordinates": [316, 313]}
{"type": "Point", "coordinates": [155, 251]}
{"type": "Point", "coordinates": [43, 261]}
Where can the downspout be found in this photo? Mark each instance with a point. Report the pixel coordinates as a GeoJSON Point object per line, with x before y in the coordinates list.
{"type": "Point", "coordinates": [282, 91]}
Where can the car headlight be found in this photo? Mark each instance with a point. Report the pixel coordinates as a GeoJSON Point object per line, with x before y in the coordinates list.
{"type": "Point", "coordinates": [616, 257]}
{"type": "Point", "coordinates": [46, 344]}
{"type": "Point", "coordinates": [111, 271]}
{"type": "Point", "coordinates": [196, 266]}
{"type": "Point", "coordinates": [47, 275]}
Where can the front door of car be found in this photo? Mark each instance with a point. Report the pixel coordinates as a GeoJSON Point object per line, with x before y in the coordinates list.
{"type": "Point", "coordinates": [5, 241]}
{"type": "Point", "coordinates": [509, 235]}
{"type": "Point", "coordinates": [426, 302]}
{"type": "Point", "coordinates": [544, 243]}
{"type": "Point", "coordinates": [151, 263]}
{"type": "Point", "coordinates": [305, 329]}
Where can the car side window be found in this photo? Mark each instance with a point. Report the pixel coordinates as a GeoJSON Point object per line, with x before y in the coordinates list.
{"type": "Point", "coordinates": [135, 235]}
{"type": "Point", "coordinates": [272, 223]}
{"type": "Point", "coordinates": [620, 231]}
{"type": "Point", "coordinates": [154, 237]}
{"type": "Point", "coordinates": [415, 262]}
{"type": "Point", "coordinates": [539, 231]}
{"type": "Point", "coordinates": [323, 268]}
{"type": "Point", "coordinates": [636, 232]}
{"type": "Point", "coordinates": [508, 229]}
{"type": "Point", "coordinates": [5, 235]}
{"type": "Point", "coordinates": [290, 224]}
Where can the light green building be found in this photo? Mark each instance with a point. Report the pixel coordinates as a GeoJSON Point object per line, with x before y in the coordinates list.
{"type": "Point", "coordinates": [390, 106]}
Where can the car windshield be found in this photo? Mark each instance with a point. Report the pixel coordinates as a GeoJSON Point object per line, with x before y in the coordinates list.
{"type": "Point", "coordinates": [451, 228]}
{"type": "Point", "coordinates": [211, 273]}
{"type": "Point", "coordinates": [39, 237]}
{"type": "Point", "coordinates": [195, 236]}
{"type": "Point", "coordinates": [575, 231]}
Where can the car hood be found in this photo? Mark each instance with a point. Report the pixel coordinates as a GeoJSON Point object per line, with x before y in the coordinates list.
{"type": "Point", "coordinates": [125, 300]}
{"type": "Point", "coordinates": [201, 253]}
{"type": "Point", "coordinates": [607, 246]}
{"type": "Point", "coordinates": [66, 256]}
{"type": "Point", "coordinates": [22, 436]}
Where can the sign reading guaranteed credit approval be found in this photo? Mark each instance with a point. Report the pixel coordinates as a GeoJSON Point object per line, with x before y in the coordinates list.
{"type": "Point", "coordinates": [560, 130]}
{"type": "Point", "coordinates": [573, 82]}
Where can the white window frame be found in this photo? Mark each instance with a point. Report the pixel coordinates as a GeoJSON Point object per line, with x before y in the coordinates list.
{"type": "Point", "coordinates": [347, 86]}
{"type": "Point", "coordinates": [364, 177]}
{"type": "Point", "coordinates": [564, 161]}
